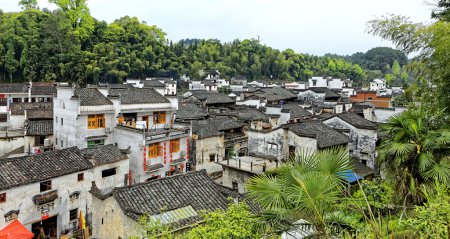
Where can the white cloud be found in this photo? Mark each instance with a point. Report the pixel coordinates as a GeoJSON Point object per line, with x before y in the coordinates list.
{"type": "Point", "coordinates": [309, 26]}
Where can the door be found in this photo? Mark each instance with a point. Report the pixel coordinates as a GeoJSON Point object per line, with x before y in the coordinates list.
{"type": "Point", "coordinates": [47, 227]}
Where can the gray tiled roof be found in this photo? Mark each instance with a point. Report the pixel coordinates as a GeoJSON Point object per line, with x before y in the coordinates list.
{"type": "Point", "coordinates": [34, 114]}
{"type": "Point", "coordinates": [91, 97]}
{"type": "Point", "coordinates": [43, 90]}
{"type": "Point", "coordinates": [326, 136]}
{"type": "Point", "coordinates": [14, 88]}
{"type": "Point", "coordinates": [142, 96]}
{"type": "Point", "coordinates": [104, 154]}
{"type": "Point", "coordinates": [360, 169]}
{"type": "Point", "coordinates": [214, 126]}
{"type": "Point", "coordinates": [212, 97]}
{"type": "Point", "coordinates": [209, 83]}
{"type": "Point", "coordinates": [35, 168]}
{"type": "Point", "coordinates": [318, 89]}
{"type": "Point", "coordinates": [153, 83]}
{"type": "Point", "coordinates": [251, 114]}
{"type": "Point", "coordinates": [329, 94]}
{"type": "Point", "coordinates": [188, 111]}
{"type": "Point", "coordinates": [39, 128]}
{"type": "Point", "coordinates": [276, 93]}
{"type": "Point", "coordinates": [19, 108]}
{"type": "Point", "coordinates": [356, 120]}
{"type": "Point", "coordinates": [116, 91]}
{"type": "Point", "coordinates": [193, 189]}
{"type": "Point", "coordinates": [296, 110]}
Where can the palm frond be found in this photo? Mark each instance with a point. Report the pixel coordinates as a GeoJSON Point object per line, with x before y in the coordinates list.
{"type": "Point", "coordinates": [267, 191]}
{"type": "Point", "coordinates": [439, 171]}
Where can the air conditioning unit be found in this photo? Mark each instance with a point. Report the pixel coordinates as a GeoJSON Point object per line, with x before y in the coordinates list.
{"type": "Point", "coordinates": [47, 143]}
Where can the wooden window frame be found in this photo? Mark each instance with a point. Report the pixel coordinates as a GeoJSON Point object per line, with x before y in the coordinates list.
{"type": "Point", "coordinates": [174, 145]}
{"type": "Point", "coordinates": [159, 117]}
{"type": "Point", "coordinates": [80, 177]}
{"type": "Point", "coordinates": [2, 197]}
{"type": "Point", "coordinates": [96, 121]}
{"type": "Point", "coordinates": [73, 217]}
{"type": "Point", "coordinates": [4, 118]}
{"type": "Point", "coordinates": [109, 172]}
{"type": "Point", "coordinates": [154, 150]}
{"type": "Point", "coordinates": [45, 186]}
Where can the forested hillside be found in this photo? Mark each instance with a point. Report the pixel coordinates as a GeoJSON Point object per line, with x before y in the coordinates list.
{"type": "Point", "coordinates": [68, 44]}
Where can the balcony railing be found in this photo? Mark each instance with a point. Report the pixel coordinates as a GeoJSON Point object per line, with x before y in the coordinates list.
{"type": "Point", "coordinates": [154, 167]}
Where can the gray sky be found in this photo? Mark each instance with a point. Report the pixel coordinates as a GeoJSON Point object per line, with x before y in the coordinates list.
{"type": "Point", "coordinates": [306, 26]}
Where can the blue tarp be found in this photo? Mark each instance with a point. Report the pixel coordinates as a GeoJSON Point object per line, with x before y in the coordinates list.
{"type": "Point", "coordinates": [350, 176]}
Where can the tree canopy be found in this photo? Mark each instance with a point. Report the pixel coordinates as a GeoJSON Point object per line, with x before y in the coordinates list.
{"type": "Point", "coordinates": [68, 44]}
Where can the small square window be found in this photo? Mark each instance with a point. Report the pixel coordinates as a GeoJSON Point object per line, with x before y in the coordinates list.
{"type": "Point", "coordinates": [80, 177]}
{"type": "Point", "coordinates": [2, 197]}
{"type": "Point", "coordinates": [62, 121]}
{"type": "Point", "coordinates": [235, 185]}
{"type": "Point", "coordinates": [73, 214]}
{"type": "Point", "coordinates": [46, 185]}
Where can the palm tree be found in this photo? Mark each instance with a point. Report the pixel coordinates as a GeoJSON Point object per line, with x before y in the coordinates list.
{"type": "Point", "coordinates": [303, 192]}
{"type": "Point", "coordinates": [414, 152]}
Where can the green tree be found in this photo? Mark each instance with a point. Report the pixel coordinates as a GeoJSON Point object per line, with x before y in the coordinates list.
{"type": "Point", "coordinates": [431, 65]}
{"type": "Point", "coordinates": [28, 4]}
{"type": "Point", "coordinates": [442, 11]}
{"type": "Point", "coordinates": [396, 69]}
{"type": "Point", "coordinates": [78, 16]}
{"type": "Point", "coordinates": [305, 189]}
{"type": "Point", "coordinates": [414, 153]}
{"type": "Point", "coordinates": [432, 219]}
{"type": "Point", "coordinates": [235, 222]}
{"type": "Point", "coordinates": [11, 64]}
{"type": "Point", "coordinates": [389, 79]}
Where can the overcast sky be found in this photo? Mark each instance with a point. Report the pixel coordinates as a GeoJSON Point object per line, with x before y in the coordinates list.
{"type": "Point", "coordinates": [306, 26]}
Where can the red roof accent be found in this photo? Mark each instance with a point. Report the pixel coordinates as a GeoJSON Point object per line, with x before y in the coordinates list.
{"type": "Point", "coordinates": [15, 230]}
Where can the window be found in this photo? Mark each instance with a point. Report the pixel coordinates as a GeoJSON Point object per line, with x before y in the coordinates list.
{"type": "Point", "coordinates": [369, 98]}
{"type": "Point", "coordinates": [56, 141]}
{"type": "Point", "coordinates": [174, 145]}
{"type": "Point", "coordinates": [62, 143]}
{"type": "Point", "coordinates": [108, 172]}
{"type": "Point", "coordinates": [96, 121]}
{"type": "Point", "coordinates": [3, 117]}
{"type": "Point", "coordinates": [56, 119]}
{"type": "Point", "coordinates": [159, 117]}
{"type": "Point", "coordinates": [80, 177]}
{"type": "Point", "coordinates": [2, 197]}
{"type": "Point", "coordinates": [212, 157]}
{"type": "Point", "coordinates": [314, 82]}
{"type": "Point", "coordinates": [46, 185]}
{"type": "Point", "coordinates": [17, 100]}
{"type": "Point", "coordinates": [62, 121]}
{"type": "Point", "coordinates": [154, 150]}
{"type": "Point", "coordinates": [73, 215]}
{"type": "Point", "coordinates": [235, 185]}
{"type": "Point", "coordinates": [93, 143]}
{"type": "Point", "coordinates": [3, 101]}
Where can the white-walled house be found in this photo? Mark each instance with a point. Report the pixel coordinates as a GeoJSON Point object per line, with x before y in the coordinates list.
{"type": "Point", "coordinates": [52, 189]}
{"type": "Point", "coordinates": [170, 85]}
{"type": "Point", "coordinates": [318, 81]}
{"type": "Point", "coordinates": [335, 84]}
{"type": "Point", "coordinates": [137, 118]}
{"type": "Point", "coordinates": [378, 84]}
{"type": "Point", "coordinates": [362, 132]}
{"type": "Point", "coordinates": [298, 85]}
{"type": "Point", "coordinates": [83, 117]}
